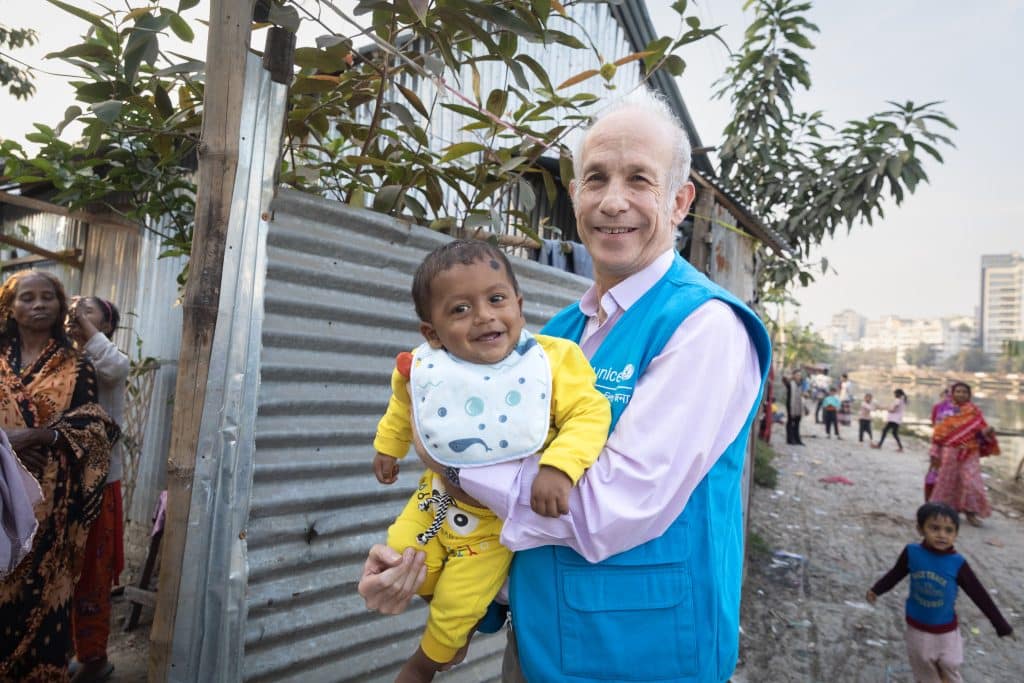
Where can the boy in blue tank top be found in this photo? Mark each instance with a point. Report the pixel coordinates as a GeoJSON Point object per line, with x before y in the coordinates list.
{"type": "Point", "coordinates": [936, 570]}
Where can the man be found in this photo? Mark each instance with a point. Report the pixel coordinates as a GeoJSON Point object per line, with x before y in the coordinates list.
{"type": "Point", "coordinates": [641, 579]}
{"type": "Point", "coordinates": [794, 408]}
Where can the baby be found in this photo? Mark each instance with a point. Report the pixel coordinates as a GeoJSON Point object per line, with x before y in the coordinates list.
{"type": "Point", "coordinates": [481, 390]}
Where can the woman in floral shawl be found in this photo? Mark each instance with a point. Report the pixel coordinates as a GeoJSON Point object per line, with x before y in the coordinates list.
{"type": "Point", "coordinates": [963, 438]}
{"type": "Point", "coordinates": [49, 411]}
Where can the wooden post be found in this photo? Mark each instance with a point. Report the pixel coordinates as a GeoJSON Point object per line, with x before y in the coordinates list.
{"type": "Point", "coordinates": [226, 51]}
{"type": "Point", "coordinates": [699, 251]}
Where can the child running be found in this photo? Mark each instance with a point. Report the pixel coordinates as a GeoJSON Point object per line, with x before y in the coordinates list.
{"type": "Point", "coordinates": [893, 419]}
{"type": "Point", "coordinates": [480, 390]}
{"type": "Point", "coordinates": [933, 641]}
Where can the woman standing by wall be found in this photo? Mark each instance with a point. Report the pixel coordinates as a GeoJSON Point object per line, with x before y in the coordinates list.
{"type": "Point", "coordinates": [49, 411]}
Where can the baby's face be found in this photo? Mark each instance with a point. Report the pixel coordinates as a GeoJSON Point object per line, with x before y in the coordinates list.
{"type": "Point", "coordinates": [476, 314]}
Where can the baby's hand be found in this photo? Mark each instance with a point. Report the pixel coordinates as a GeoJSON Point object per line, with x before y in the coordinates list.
{"type": "Point", "coordinates": [385, 468]}
{"type": "Point", "coordinates": [550, 494]}
{"type": "Point", "coordinates": [871, 596]}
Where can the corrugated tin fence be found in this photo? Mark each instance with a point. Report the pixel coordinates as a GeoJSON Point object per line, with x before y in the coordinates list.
{"type": "Point", "coordinates": [337, 310]}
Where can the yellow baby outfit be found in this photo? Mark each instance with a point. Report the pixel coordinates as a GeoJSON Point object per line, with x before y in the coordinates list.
{"type": "Point", "coordinates": [466, 563]}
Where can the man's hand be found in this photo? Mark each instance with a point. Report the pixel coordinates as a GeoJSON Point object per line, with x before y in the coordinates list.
{"type": "Point", "coordinates": [390, 580]}
{"type": "Point", "coordinates": [871, 596]}
{"type": "Point", "coordinates": [385, 468]}
{"type": "Point", "coordinates": [549, 496]}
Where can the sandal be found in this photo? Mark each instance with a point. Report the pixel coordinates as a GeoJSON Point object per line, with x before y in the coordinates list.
{"type": "Point", "coordinates": [973, 520]}
{"type": "Point", "coordinates": [91, 672]}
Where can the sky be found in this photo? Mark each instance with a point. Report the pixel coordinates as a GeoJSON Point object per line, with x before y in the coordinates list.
{"type": "Point", "coordinates": [923, 259]}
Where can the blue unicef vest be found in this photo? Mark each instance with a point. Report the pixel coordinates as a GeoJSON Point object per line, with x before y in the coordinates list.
{"type": "Point", "coordinates": [933, 589]}
{"type": "Point", "coordinates": [667, 610]}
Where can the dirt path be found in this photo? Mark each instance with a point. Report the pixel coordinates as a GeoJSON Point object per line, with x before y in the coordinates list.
{"type": "Point", "coordinates": [821, 546]}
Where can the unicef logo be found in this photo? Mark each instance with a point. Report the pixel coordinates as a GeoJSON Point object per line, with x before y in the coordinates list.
{"type": "Point", "coordinates": [626, 373]}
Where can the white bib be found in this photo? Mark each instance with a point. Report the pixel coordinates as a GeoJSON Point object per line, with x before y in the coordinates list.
{"type": "Point", "coordinates": [468, 414]}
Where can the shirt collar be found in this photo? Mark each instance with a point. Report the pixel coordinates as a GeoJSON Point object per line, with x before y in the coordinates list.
{"type": "Point", "coordinates": [627, 292]}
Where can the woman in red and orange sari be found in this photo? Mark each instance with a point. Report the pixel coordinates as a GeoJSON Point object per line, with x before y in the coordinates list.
{"type": "Point", "coordinates": [59, 432]}
{"type": "Point", "coordinates": [963, 438]}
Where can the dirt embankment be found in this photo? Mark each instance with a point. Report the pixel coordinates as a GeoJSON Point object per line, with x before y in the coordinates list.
{"type": "Point", "coordinates": [817, 547]}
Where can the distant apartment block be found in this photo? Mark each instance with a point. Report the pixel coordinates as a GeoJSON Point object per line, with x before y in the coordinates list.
{"type": "Point", "coordinates": [1002, 300]}
{"type": "Point", "coordinates": [947, 336]}
{"type": "Point", "coordinates": [846, 327]}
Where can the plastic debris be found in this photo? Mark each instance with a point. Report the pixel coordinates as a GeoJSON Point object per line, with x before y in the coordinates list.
{"type": "Point", "coordinates": [836, 479]}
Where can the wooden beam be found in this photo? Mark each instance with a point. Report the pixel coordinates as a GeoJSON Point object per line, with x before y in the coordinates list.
{"type": "Point", "coordinates": [71, 257]}
{"type": "Point", "coordinates": [226, 52]}
{"type": "Point", "coordinates": [49, 207]}
{"type": "Point", "coordinates": [699, 252]}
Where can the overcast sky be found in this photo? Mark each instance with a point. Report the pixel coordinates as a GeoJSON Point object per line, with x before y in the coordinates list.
{"type": "Point", "coordinates": [923, 259]}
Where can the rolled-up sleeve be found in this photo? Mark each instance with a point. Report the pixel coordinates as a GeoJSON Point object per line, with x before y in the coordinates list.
{"type": "Point", "coordinates": [689, 405]}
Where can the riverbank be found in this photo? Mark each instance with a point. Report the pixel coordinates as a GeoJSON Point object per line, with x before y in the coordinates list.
{"type": "Point", "coordinates": [816, 547]}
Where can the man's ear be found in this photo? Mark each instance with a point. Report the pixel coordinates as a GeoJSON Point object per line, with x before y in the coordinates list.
{"type": "Point", "coordinates": [430, 334]}
{"type": "Point", "coordinates": [682, 201]}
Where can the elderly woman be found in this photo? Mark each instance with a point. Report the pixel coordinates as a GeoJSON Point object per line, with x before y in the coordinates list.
{"type": "Point", "coordinates": [962, 438]}
{"type": "Point", "coordinates": [49, 411]}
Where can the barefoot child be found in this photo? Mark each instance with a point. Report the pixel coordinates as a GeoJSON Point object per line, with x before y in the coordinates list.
{"type": "Point", "coordinates": [480, 390]}
{"type": "Point", "coordinates": [936, 569]}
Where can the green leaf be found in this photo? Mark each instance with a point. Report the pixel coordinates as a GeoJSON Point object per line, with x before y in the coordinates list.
{"type": "Point", "coordinates": [107, 111]}
{"type": "Point", "coordinates": [186, 4]}
{"type": "Point", "coordinates": [321, 61]}
{"type": "Point", "coordinates": [565, 170]}
{"type": "Point", "coordinates": [388, 198]}
{"type": "Point", "coordinates": [84, 50]}
{"type": "Point", "coordinates": [413, 99]}
{"type": "Point", "coordinates": [419, 7]}
{"type": "Point", "coordinates": [193, 66]}
{"type": "Point", "coordinates": [80, 13]}
{"type": "Point", "coordinates": [181, 28]}
{"type": "Point", "coordinates": [461, 149]}
{"type": "Point", "coordinates": [70, 114]}
{"type": "Point", "coordinates": [527, 197]}
{"type": "Point", "coordinates": [497, 101]}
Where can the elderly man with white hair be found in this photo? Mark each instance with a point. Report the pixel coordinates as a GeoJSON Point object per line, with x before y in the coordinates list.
{"type": "Point", "coordinates": [641, 579]}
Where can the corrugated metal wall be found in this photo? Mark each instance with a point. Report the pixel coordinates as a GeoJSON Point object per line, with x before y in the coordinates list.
{"type": "Point", "coordinates": [49, 231]}
{"type": "Point", "coordinates": [337, 310]}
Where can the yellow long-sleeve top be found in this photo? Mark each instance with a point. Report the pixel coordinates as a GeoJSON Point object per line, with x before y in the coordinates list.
{"type": "Point", "coordinates": [580, 414]}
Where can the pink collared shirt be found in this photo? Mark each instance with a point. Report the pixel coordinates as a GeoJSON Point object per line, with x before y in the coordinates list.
{"type": "Point", "coordinates": [686, 409]}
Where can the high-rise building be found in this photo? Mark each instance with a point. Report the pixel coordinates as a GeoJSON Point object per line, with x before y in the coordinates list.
{"type": "Point", "coordinates": [846, 327]}
{"type": "Point", "coordinates": [1002, 300]}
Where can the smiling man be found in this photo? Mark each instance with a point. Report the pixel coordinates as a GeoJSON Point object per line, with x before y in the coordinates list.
{"type": "Point", "coordinates": [641, 579]}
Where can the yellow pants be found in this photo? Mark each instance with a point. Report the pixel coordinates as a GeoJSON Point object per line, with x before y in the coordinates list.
{"type": "Point", "coordinates": [466, 565]}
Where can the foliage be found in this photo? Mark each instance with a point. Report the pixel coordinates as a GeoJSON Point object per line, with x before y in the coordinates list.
{"type": "Point", "coordinates": [921, 356]}
{"type": "Point", "coordinates": [18, 79]}
{"type": "Point", "coordinates": [765, 473]}
{"type": "Point", "coordinates": [1011, 358]}
{"type": "Point", "coordinates": [800, 345]}
{"type": "Point", "coordinates": [359, 120]}
{"type": "Point", "coordinates": [140, 108]}
{"type": "Point", "coordinates": [969, 360]}
{"type": "Point", "coordinates": [799, 173]}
